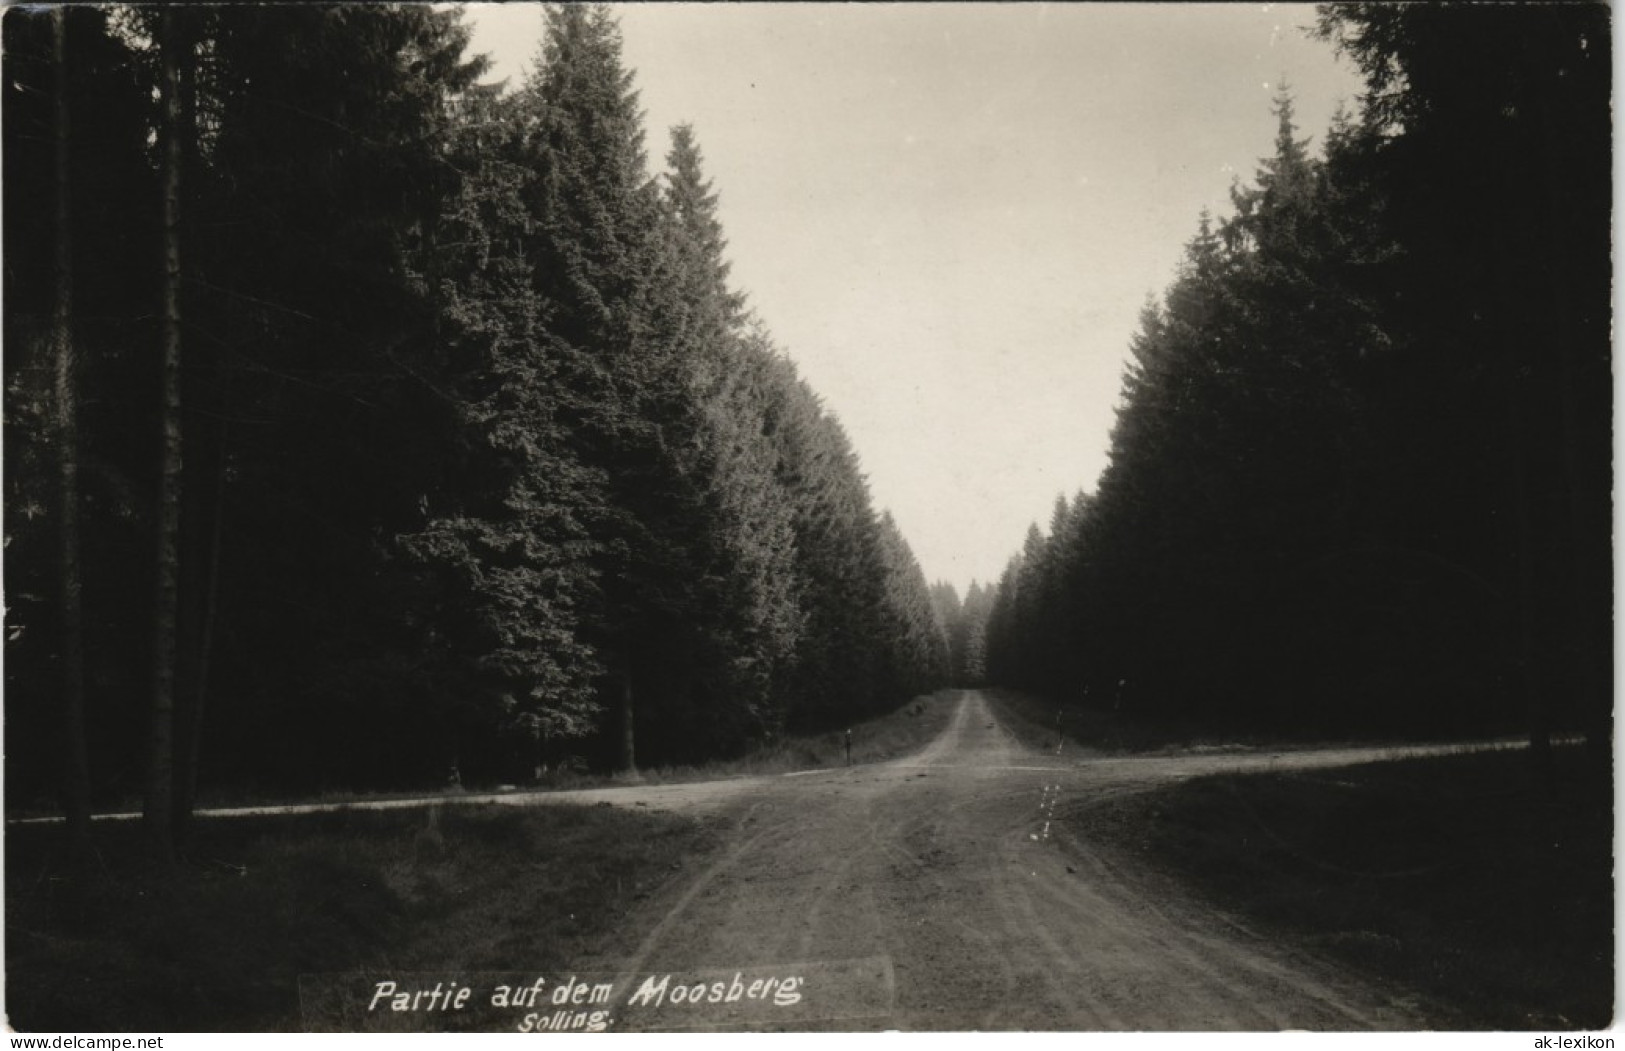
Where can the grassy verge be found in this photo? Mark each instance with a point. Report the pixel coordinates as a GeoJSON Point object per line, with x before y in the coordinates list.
{"type": "Point", "coordinates": [1094, 730]}
{"type": "Point", "coordinates": [908, 729]}
{"type": "Point", "coordinates": [1463, 877]}
{"type": "Point", "coordinates": [876, 740]}
{"type": "Point", "coordinates": [1031, 720]}
{"type": "Point", "coordinates": [218, 943]}
{"type": "Point", "coordinates": [1098, 730]}
{"type": "Point", "coordinates": [885, 737]}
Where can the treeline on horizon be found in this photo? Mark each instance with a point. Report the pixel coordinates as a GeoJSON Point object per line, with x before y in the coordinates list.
{"type": "Point", "coordinates": [1360, 480]}
{"type": "Point", "coordinates": [365, 423]}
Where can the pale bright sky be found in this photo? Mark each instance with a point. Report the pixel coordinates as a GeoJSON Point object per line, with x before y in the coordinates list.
{"type": "Point", "coordinates": [950, 215]}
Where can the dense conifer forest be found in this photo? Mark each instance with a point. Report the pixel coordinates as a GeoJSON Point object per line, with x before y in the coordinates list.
{"type": "Point", "coordinates": [367, 426]}
{"type": "Point", "coordinates": [1361, 477]}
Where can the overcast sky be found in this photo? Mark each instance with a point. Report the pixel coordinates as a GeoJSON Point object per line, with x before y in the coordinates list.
{"type": "Point", "coordinates": [950, 215]}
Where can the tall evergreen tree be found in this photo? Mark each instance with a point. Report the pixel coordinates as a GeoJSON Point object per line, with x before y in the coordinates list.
{"type": "Point", "coordinates": [971, 667]}
{"type": "Point", "coordinates": [754, 617]}
{"type": "Point", "coordinates": [157, 815]}
{"type": "Point", "coordinates": [600, 257]}
{"type": "Point", "coordinates": [918, 645]}
{"type": "Point", "coordinates": [100, 240]}
{"type": "Point", "coordinates": [74, 756]}
{"type": "Point", "coordinates": [1502, 397]}
{"type": "Point", "coordinates": [509, 559]}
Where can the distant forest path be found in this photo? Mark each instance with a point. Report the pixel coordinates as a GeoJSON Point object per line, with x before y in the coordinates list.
{"type": "Point", "coordinates": [952, 866]}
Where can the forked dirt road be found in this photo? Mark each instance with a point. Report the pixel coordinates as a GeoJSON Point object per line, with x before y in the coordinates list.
{"type": "Point", "coordinates": [952, 867]}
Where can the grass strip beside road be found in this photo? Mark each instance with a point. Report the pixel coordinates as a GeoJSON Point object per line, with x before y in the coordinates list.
{"type": "Point", "coordinates": [898, 733]}
{"type": "Point", "coordinates": [218, 943]}
{"type": "Point", "coordinates": [1466, 878]}
{"type": "Point", "coordinates": [1096, 730]}
{"type": "Point", "coordinates": [881, 739]}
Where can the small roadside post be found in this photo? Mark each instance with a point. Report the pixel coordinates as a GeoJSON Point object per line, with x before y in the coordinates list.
{"type": "Point", "coordinates": [849, 747]}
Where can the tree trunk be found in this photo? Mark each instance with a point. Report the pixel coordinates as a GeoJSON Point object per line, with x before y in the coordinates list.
{"type": "Point", "coordinates": [1573, 333]}
{"type": "Point", "coordinates": [191, 736]}
{"type": "Point", "coordinates": [201, 509]}
{"type": "Point", "coordinates": [1525, 546]}
{"type": "Point", "coordinates": [158, 814]}
{"type": "Point", "coordinates": [629, 762]}
{"type": "Point", "coordinates": [75, 764]}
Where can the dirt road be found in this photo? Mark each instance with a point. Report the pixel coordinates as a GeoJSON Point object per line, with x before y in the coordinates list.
{"type": "Point", "coordinates": [951, 868]}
